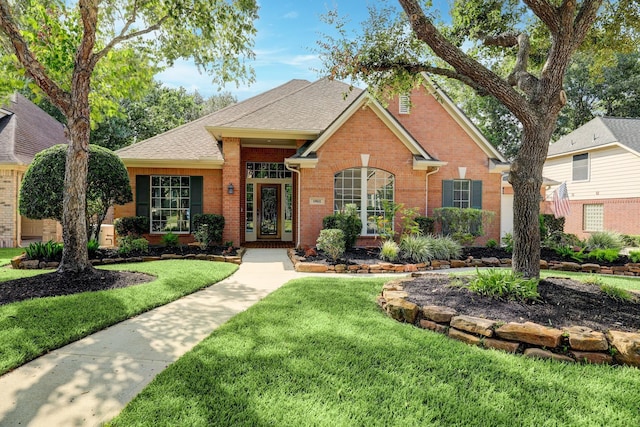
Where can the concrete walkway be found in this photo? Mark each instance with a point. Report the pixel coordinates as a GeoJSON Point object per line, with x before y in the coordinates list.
{"type": "Point", "coordinates": [89, 382]}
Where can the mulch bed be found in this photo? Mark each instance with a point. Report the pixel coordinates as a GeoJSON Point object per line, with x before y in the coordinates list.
{"type": "Point", "coordinates": [54, 284]}
{"type": "Point", "coordinates": [563, 303]}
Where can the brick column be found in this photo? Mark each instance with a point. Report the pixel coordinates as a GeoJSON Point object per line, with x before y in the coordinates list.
{"type": "Point", "coordinates": [231, 202]}
{"type": "Point", "coordinates": [8, 208]}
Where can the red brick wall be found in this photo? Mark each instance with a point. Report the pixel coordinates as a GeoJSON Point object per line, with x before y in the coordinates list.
{"type": "Point", "coordinates": [212, 188]}
{"type": "Point", "coordinates": [621, 215]}
{"type": "Point", "coordinates": [364, 133]}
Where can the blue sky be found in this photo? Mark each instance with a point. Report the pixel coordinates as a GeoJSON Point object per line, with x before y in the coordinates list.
{"type": "Point", "coordinates": [287, 32]}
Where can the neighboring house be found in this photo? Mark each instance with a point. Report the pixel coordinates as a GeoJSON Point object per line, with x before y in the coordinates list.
{"type": "Point", "coordinates": [276, 164]}
{"type": "Point", "coordinates": [600, 162]}
{"type": "Point", "coordinates": [25, 130]}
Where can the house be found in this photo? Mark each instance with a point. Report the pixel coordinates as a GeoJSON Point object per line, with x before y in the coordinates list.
{"type": "Point", "coordinates": [599, 162]}
{"type": "Point", "coordinates": [25, 130]}
{"type": "Point", "coordinates": [274, 165]}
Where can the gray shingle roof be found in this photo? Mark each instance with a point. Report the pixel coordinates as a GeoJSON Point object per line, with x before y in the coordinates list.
{"type": "Point", "coordinates": [597, 132]}
{"type": "Point", "coordinates": [296, 105]}
{"type": "Point", "coordinates": [26, 130]}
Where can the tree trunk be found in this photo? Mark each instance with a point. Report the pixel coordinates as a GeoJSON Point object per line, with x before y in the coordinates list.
{"type": "Point", "coordinates": [75, 257]}
{"type": "Point", "coordinates": [526, 178]}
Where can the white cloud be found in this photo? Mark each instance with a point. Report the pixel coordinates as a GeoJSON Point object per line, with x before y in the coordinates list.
{"type": "Point", "coordinates": [291, 15]}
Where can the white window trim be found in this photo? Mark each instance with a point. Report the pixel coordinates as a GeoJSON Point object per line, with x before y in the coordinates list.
{"type": "Point", "coordinates": [588, 168]}
{"type": "Point", "coordinates": [151, 208]}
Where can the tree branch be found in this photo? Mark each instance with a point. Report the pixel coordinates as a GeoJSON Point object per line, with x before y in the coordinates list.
{"type": "Point", "coordinates": [60, 98]}
{"type": "Point", "coordinates": [123, 37]}
{"type": "Point", "coordinates": [415, 68]}
{"type": "Point", "coordinates": [547, 13]}
{"type": "Point", "coordinates": [584, 20]}
{"type": "Point", "coordinates": [465, 65]}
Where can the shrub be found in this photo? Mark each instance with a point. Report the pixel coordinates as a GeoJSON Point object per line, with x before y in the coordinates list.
{"type": "Point", "coordinates": [129, 244]}
{"type": "Point", "coordinates": [617, 293]}
{"type": "Point", "coordinates": [214, 227]}
{"type": "Point", "coordinates": [49, 251]}
{"type": "Point", "coordinates": [170, 240]}
{"type": "Point", "coordinates": [384, 224]}
{"type": "Point", "coordinates": [408, 222]}
{"type": "Point", "coordinates": [416, 248]}
{"type": "Point", "coordinates": [389, 251]}
{"type": "Point", "coordinates": [630, 241]}
{"type": "Point", "coordinates": [92, 247]}
{"type": "Point", "coordinates": [507, 242]}
{"type": "Point", "coordinates": [131, 226]}
{"type": "Point", "coordinates": [569, 252]}
{"type": "Point", "coordinates": [331, 241]}
{"type": "Point", "coordinates": [562, 239]}
{"type": "Point", "coordinates": [464, 225]}
{"type": "Point", "coordinates": [41, 191]}
{"type": "Point", "coordinates": [608, 255]}
{"type": "Point", "coordinates": [634, 256]}
{"type": "Point", "coordinates": [445, 247]}
{"type": "Point", "coordinates": [348, 221]}
{"type": "Point", "coordinates": [425, 224]}
{"type": "Point", "coordinates": [504, 284]}
{"type": "Point", "coordinates": [202, 236]}
{"type": "Point", "coordinates": [604, 240]}
{"type": "Point", "coordinates": [550, 225]}
{"type": "Point", "coordinates": [491, 243]}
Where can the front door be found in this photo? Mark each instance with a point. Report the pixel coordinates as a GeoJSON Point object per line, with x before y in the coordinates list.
{"type": "Point", "coordinates": [268, 211]}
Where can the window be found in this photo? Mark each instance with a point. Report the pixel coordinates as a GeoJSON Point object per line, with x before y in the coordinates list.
{"type": "Point", "coordinates": [461, 193]}
{"type": "Point", "coordinates": [170, 204]}
{"type": "Point", "coordinates": [593, 217]}
{"type": "Point", "coordinates": [404, 104]}
{"type": "Point", "coordinates": [249, 208]}
{"type": "Point", "coordinates": [267, 170]}
{"type": "Point", "coordinates": [581, 167]}
{"type": "Point", "coordinates": [366, 188]}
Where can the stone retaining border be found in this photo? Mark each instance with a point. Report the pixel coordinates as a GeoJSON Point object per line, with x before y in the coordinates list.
{"type": "Point", "coordinates": [21, 263]}
{"type": "Point", "coordinates": [573, 344]}
{"type": "Point", "coordinates": [300, 265]}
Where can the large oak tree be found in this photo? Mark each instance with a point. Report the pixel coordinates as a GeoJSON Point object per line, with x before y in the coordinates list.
{"type": "Point", "coordinates": [65, 50]}
{"type": "Point", "coordinates": [396, 47]}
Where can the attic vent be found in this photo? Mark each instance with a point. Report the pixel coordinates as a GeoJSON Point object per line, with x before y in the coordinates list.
{"type": "Point", "coordinates": [405, 104]}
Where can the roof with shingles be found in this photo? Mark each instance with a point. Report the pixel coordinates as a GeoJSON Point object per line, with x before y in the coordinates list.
{"type": "Point", "coordinates": [599, 132]}
{"type": "Point", "coordinates": [297, 105]}
{"type": "Point", "coordinates": [25, 130]}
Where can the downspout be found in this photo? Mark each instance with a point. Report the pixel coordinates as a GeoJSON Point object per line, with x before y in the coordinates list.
{"type": "Point", "coordinates": [297, 171]}
{"type": "Point", "coordinates": [426, 199]}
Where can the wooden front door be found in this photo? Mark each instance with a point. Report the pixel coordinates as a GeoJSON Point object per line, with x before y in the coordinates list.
{"type": "Point", "coordinates": [269, 211]}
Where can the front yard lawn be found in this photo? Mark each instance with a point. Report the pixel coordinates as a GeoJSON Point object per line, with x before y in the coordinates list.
{"type": "Point", "coordinates": [7, 253]}
{"type": "Point", "coordinates": [33, 327]}
{"type": "Point", "coordinates": [320, 352]}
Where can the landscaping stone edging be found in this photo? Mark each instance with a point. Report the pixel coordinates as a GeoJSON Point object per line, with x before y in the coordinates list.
{"type": "Point", "coordinates": [572, 344]}
{"type": "Point", "coordinates": [300, 265]}
{"type": "Point", "coordinates": [21, 263]}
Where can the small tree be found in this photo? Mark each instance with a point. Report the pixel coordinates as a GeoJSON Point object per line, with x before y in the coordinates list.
{"type": "Point", "coordinates": [41, 192]}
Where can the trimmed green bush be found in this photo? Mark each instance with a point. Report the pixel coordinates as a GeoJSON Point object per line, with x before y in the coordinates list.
{"type": "Point", "coordinates": [389, 251]}
{"type": "Point", "coordinates": [131, 226]}
{"type": "Point", "coordinates": [425, 224]}
{"type": "Point", "coordinates": [129, 244]}
{"type": "Point", "coordinates": [41, 191]}
{"type": "Point", "coordinates": [170, 240]}
{"type": "Point", "coordinates": [212, 227]}
{"type": "Point", "coordinates": [634, 256]}
{"type": "Point", "coordinates": [464, 225]}
{"type": "Point", "coordinates": [348, 221]}
{"type": "Point", "coordinates": [331, 242]}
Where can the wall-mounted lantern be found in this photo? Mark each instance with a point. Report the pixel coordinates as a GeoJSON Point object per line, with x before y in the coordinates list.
{"type": "Point", "coordinates": [230, 188]}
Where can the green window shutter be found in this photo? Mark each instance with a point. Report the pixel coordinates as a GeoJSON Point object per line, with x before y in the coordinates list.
{"type": "Point", "coordinates": [143, 194]}
{"type": "Point", "coordinates": [447, 193]}
{"type": "Point", "coordinates": [195, 197]}
{"type": "Point", "coordinates": [476, 194]}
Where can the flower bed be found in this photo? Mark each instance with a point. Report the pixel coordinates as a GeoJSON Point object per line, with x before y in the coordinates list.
{"type": "Point", "coordinates": [567, 344]}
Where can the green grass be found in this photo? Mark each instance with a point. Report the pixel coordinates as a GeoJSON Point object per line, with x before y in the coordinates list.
{"type": "Point", "coordinates": [33, 327]}
{"type": "Point", "coordinates": [624, 282]}
{"type": "Point", "coordinates": [7, 253]}
{"type": "Point", "coordinates": [320, 352]}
